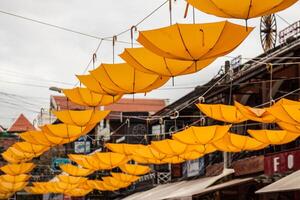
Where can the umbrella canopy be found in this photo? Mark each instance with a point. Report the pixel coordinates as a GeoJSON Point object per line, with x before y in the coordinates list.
{"type": "Point", "coordinates": [146, 61]}
{"type": "Point", "coordinates": [285, 110]}
{"type": "Point", "coordinates": [245, 9]}
{"type": "Point", "coordinates": [289, 127]}
{"type": "Point", "coordinates": [107, 160]}
{"type": "Point", "coordinates": [71, 179]}
{"type": "Point", "coordinates": [14, 179]}
{"type": "Point", "coordinates": [122, 148]}
{"type": "Point", "coordinates": [274, 137]}
{"type": "Point", "coordinates": [245, 143]}
{"type": "Point", "coordinates": [81, 118]}
{"type": "Point", "coordinates": [149, 152]}
{"type": "Point", "coordinates": [75, 171]}
{"type": "Point", "coordinates": [42, 138]}
{"type": "Point", "coordinates": [100, 185]}
{"type": "Point", "coordinates": [15, 156]}
{"type": "Point", "coordinates": [255, 114]}
{"type": "Point", "coordinates": [193, 155]}
{"type": "Point", "coordinates": [174, 147]}
{"type": "Point", "coordinates": [9, 187]}
{"type": "Point", "coordinates": [35, 190]}
{"type": "Point", "coordinates": [81, 160]}
{"type": "Point", "coordinates": [127, 178]}
{"type": "Point", "coordinates": [66, 131]}
{"type": "Point", "coordinates": [5, 195]}
{"type": "Point", "coordinates": [115, 182]}
{"type": "Point", "coordinates": [85, 97]}
{"type": "Point", "coordinates": [125, 79]}
{"type": "Point", "coordinates": [27, 147]}
{"type": "Point", "coordinates": [77, 192]}
{"type": "Point", "coordinates": [194, 42]}
{"type": "Point", "coordinates": [17, 169]}
{"type": "Point", "coordinates": [224, 113]}
{"type": "Point", "coordinates": [135, 169]}
{"type": "Point", "coordinates": [201, 135]}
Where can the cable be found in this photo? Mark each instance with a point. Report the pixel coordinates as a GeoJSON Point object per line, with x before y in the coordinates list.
{"type": "Point", "coordinates": [282, 19]}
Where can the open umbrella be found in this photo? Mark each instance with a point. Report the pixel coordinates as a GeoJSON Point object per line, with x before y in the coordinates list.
{"type": "Point", "coordinates": [85, 97]}
{"type": "Point", "coordinates": [244, 9]}
{"type": "Point", "coordinates": [78, 192]}
{"type": "Point", "coordinates": [224, 113]}
{"type": "Point", "coordinates": [75, 171]}
{"type": "Point", "coordinates": [71, 179]}
{"type": "Point", "coordinates": [135, 169]}
{"type": "Point", "coordinates": [27, 147]}
{"type": "Point", "coordinates": [127, 178]}
{"type": "Point", "coordinates": [113, 182]}
{"type": "Point", "coordinates": [9, 187]}
{"type": "Point", "coordinates": [125, 79]}
{"type": "Point", "coordinates": [100, 185]}
{"type": "Point", "coordinates": [289, 127]}
{"type": "Point", "coordinates": [17, 169]}
{"type": "Point", "coordinates": [81, 117]}
{"type": "Point", "coordinates": [66, 131]}
{"type": "Point", "coordinates": [201, 135]}
{"type": "Point", "coordinates": [81, 160]}
{"type": "Point", "coordinates": [14, 179]}
{"type": "Point", "coordinates": [255, 114]}
{"type": "Point", "coordinates": [274, 137]}
{"type": "Point", "coordinates": [15, 156]}
{"type": "Point", "coordinates": [122, 148]}
{"type": "Point", "coordinates": [194, 42]}
{"type": "Point", "coordinates": [106, 160]}
{"type": "Point", "coordinates": [146, 61]}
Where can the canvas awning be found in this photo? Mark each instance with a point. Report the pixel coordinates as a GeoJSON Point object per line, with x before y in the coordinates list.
{"type": "Point", "coordinates": [179, 190]}
{"type": "Point", "coordinates": [288, 183]}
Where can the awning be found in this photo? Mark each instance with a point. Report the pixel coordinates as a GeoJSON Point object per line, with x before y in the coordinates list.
{"type": "Point", "coordinates": [179, 190]}
{"type": "Point", "coordinates": [288, 183]}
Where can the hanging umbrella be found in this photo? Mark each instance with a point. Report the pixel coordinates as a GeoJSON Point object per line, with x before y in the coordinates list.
{"type": "Point", "coordinates": [255, 114]}
{"type": "Point", "coordinates": [17, 169]}
{"type": "Point", "coordinates": [81, 160]}
{"type": "Point", "coordinates": [274, 137]}
{"type": "Point", "coordinates": [135, 169]}
{"type": "Point", "coordinates": [106, 160]}
{"type": "Point", "coordinates": [125, 79]}
{"type": "Point", "coordinates": [27, 147]}
{"type": "Point", "coordinates": [194, 42]}
{"type": "Point", "coordinates": [41, 138]}
{"type": "Point", "coordinates": [92, 84]}
{"type": "Point", "coordinates": [193, 155]}
{"type": "Point", "coordinates": [201, 135]}
{"type": "Point", "coordinates": [61, 187]}
{"type": "Point", "coordinates": [224, 113]}
{"type": "Point", "coordinates": [35, 190]}
{"type": "Point", "coordinates": [225, 145]}
{"type": "Point", "coordinates": [101, 185]}
{"type": "Point", "coordinates": [85, 97]}
{"type": "Point", "coordinates": [14, 179]}
{"type": "Point", "coordinates": [15, 156]}
{"type": "Point", "coordinates": [71, 179]}
{"type": "Point", "coordinates": [9, 187]}
{"type": "Point", "coordinates": [115, 182]}
{"type": "Point", "coordinates": [81, 118]}
{"type": "Point", "coordinates": [78, 192]}
{"type": "Point", "coordinates": [5, 195]}
{"type": "Point", "coordinates": [149, 152]}
{"type": "Point", "coordinates": [289, 127]}
{"type": "Point", "coordinates": [144, 60]}
{"type": "Point", "coordinates": [66, 131]}
{"type": "Point", "coordinates": [75, 171]}
{"type": "Point", "coordinates": [245, 143]}
{"type": "Point", "coordinates": [126, 149]}
{"type": "Point", "coordinates": [127, 178]}
{"type": "Point", "coordinates": [244, 9]}
{"type": "Point", "coordinates": [282, 110]}
{"type": "Point", "coordinates": [174, 147]}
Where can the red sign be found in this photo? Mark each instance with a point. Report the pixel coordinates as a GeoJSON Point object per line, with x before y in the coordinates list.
{"type": "Point", "coordinates": [282, 162]}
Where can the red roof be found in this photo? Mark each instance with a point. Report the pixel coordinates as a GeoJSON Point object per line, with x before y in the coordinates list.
{"type": "Point", "coordinates": [21, 124]}
{"type": "Point", "coordinates": [137, 105]}
{"type": "Point", "coordinates": [62, 103]}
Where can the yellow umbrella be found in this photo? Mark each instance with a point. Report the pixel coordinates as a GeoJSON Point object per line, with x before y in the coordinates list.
{"type": "Point", "coordinates": [194, 42]}
{"type": "Point", "coordinates": [125, 79]}
{"type": "Point", "coordinates": [174, 147]}
{"type": "Point", "coordinates": [17, 169]}
{"type": "Point", "coordinates": [71, 179]}
{"type": "Point", "coordinates": [127, 178]}
{"type": "Point", "coordinates": [35, 190]}
{"type": "Point", "coordinates": [126, 149]}
{"type": "Point", "coordinates": [274, 137]}
{"type": "Point", "coordinates": [146, 61]}
{"type": "Point", "coordinates": [193, 155]}
{"type": "Point", "coordinates": [66, 131]}
{"type": "Point", "coordinates": [220, 112]}
{"type": "Point", "coordinates": [115, 182]}
{"type": "Point", "coordinates": [225, 145]}
{"type": "Point", "coordinates": [9, 187]}
{"type": "Point", "coordinates": [14, 179]}
{"type": "Point", "coordinates": [255, 114]}
{"type": "Point", "coordinates": [42, 138]}
{"type": "Point", "coordinates": [27, 147]}
{"type": "Point", "coordinates": [5, 196]}
{"type": "Point", "coordinates": [77, 192]}
{"type": "Point", "coordinates": [82, 161]}
{"type": "Point", "coordinates": [81, 118]}
{"type": "Point", "coordinates": [85, 97]}
{"type": "Point", "coordinates": [244, 9]}
{"type": "Point", "coordinates": [289, 127]}
{"type": "Point", "coordinates": [101, 185]}
{"type": "Point", "coordinates": [135, 169]}
{"type": "Point", "coordinates": [245, 143]}
{"type": "Point", "coordinates": [15, 156]}
{"type": "Point", "coordinates": [150, 153]}
{"type": "Point", "coordinates": [106, 160]}
{"type": "Point", "coordinates": [282, 110]}
{"type": "Point", "coordinates": [201, 135]}
{"type": "Point", "coordinates": [75, 171]}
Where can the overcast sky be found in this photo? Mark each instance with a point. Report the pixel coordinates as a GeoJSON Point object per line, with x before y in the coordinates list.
{"type": "Point", "coordinates": [34, 57]}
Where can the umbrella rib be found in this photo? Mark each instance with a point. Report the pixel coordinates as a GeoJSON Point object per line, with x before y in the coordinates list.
{"type": "Point", "coordinates": [215, 5]}
{"type": "Point", "coordinates": [181, 37]}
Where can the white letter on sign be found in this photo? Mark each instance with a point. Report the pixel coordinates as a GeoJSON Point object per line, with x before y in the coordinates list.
{"type": "Point", "coordinates": [290, 161]}
{"type": "Point", "coordinates": [275, 164]}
